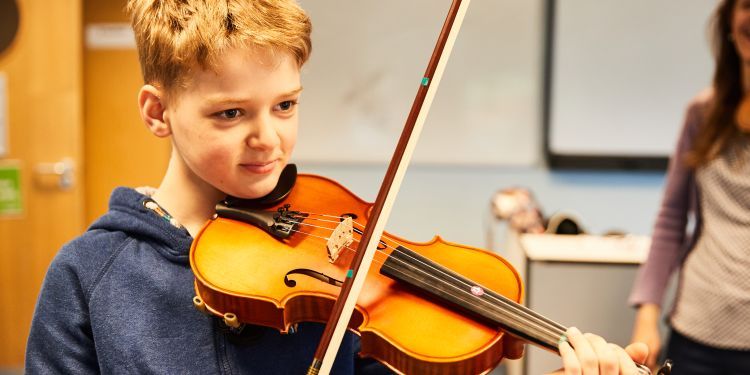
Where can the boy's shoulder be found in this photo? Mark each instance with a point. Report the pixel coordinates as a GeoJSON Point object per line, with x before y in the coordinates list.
{"type": "Point", "coordinates": [86, 257]}
{"type": "Point", "coordinates": [127, 225]}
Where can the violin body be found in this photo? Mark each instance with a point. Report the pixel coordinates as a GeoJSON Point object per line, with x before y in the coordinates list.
{"type": "Point", "coordinates": [241, 270]}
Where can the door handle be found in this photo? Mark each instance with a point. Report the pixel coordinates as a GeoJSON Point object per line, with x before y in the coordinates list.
{"type": "Point", "coordinates": [63, 170]}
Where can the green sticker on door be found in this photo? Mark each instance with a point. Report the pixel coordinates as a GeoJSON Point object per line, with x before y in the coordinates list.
{"type": "Point", "coordinates": [10, 189]}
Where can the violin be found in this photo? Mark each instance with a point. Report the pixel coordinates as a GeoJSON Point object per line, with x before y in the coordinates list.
{"type": "Point", "coordinates": [287, 267]}
{"type": "Point", "coordinates": [281, 259]}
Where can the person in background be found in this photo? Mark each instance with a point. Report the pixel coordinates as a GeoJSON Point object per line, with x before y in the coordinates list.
{"type": "Point", "coordinates": [709, 181]}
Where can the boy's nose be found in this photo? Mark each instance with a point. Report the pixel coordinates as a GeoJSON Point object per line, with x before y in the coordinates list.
{"type": "Point", "coordinates": [262, 134]}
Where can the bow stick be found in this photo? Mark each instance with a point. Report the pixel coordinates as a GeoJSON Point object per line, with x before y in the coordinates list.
{"type": "Point", "coordinates": [342, 310]}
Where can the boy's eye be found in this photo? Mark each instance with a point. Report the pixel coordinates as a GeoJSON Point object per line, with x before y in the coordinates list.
{"type": "Point", "coordinates": [286, 105]}
{"type": "Point", "coordinates": [230, 113]}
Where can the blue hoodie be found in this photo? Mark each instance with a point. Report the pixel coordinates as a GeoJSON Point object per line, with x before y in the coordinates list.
{"type": "Point", "coordinates": [118, 300]}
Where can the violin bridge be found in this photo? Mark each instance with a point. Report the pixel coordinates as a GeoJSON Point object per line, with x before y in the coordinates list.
{"type": "Point", "coordinates": [341, 237]}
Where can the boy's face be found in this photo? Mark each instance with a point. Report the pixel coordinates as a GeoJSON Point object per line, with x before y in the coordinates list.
{"type": "Point", "coordinates": [235, 128]}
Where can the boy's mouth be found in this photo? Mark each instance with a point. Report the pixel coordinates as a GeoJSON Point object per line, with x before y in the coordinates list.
{"type": "Point", "coordinates": [260, 167]}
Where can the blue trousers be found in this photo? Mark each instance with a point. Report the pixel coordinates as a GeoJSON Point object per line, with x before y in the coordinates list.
{"type": "Point", "coordinates": [693, 358]}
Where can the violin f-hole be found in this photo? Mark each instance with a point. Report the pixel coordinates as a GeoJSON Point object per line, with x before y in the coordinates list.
{"type": "Point", "coordinates": [314, 274]}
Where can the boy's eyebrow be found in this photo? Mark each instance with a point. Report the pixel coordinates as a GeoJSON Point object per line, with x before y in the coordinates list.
{"type": "Point", "coordinates": [293, 92]}
{"type": "Point", "coordinates": [230, 100]}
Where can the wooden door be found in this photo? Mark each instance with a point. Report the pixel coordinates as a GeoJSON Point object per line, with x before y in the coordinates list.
{"type": "Point", "coordinates": [43, 70]}
{"type": "Point", "coordinates": [119, 150]}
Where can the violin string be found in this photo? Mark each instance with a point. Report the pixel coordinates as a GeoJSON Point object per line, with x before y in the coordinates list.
{"type": "Point", "coordinates": [552, 333]}
{"type": "Point", "coordinates": [525, 316]}
{"type": "Point", "coordinates": [427, 265]}
{"type": "Point", "coordinates": [556, 329]}
{"type": "Point", "coordinates": [542, 332]}
{"type": "Point", "coordinates": [315, 226]}
{"type": "Point", "coordinates": [551, 328]}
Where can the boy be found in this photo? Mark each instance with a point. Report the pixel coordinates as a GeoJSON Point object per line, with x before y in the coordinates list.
{"type": "Point", "coordinates": [222, 79]}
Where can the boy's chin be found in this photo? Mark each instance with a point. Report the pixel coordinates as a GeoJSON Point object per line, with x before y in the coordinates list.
{"type": "Point", "coordinates": [259, 190]}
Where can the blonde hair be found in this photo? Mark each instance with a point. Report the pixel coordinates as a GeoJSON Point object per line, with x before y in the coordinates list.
{"type": "Point", "coordinates": [174, 36]}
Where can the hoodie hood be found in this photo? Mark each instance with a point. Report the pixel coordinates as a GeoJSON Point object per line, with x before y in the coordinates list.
{"type": "Point", "coordinates": [128, 214]}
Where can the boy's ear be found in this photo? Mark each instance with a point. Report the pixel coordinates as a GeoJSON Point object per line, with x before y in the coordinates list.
{"type": "Point", "coordinates": [152, 106]}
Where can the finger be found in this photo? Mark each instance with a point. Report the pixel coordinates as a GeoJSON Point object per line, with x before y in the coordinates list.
{"type": "Point", "coordinates": [652, 348]}
{"type": "Point", "coordinates": [626, 362]}
{"type": "Point", "coordinates": [569, 358]}
{"type": "Point", "coordinates": [650, 361]}
{"type": "Point", "coordinates": [589, 363]}
{"type": "Point", "coordinates": [609, 363]}
{"type": "Point", "coordinates": [638, 351]}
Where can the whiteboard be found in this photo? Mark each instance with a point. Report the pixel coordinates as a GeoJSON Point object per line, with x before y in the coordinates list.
{"type": "Point", "coordinates": [367, 63]}
{"type": "Point", "coordinates": [623, 72]}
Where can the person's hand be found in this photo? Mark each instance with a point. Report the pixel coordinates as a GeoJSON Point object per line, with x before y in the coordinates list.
{"type": "Point", "coordinates": [589, 354]}
{"type": "Point", "coordinates": [646, 330]}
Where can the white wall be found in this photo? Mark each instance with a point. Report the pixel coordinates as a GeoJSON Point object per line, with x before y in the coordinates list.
{"type": "Point", "coordinates": [368, 61]}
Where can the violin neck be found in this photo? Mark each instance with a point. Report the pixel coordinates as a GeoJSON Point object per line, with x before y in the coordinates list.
{"type": "Point", "coordinates": [491, 308]}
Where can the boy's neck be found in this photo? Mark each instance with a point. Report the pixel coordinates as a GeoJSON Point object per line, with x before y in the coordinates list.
{"type": "Point", "coordinates": [187, 198]}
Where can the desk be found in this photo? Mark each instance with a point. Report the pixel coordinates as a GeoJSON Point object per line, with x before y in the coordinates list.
{"type": "Point", "coordinates": [576, 280]}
